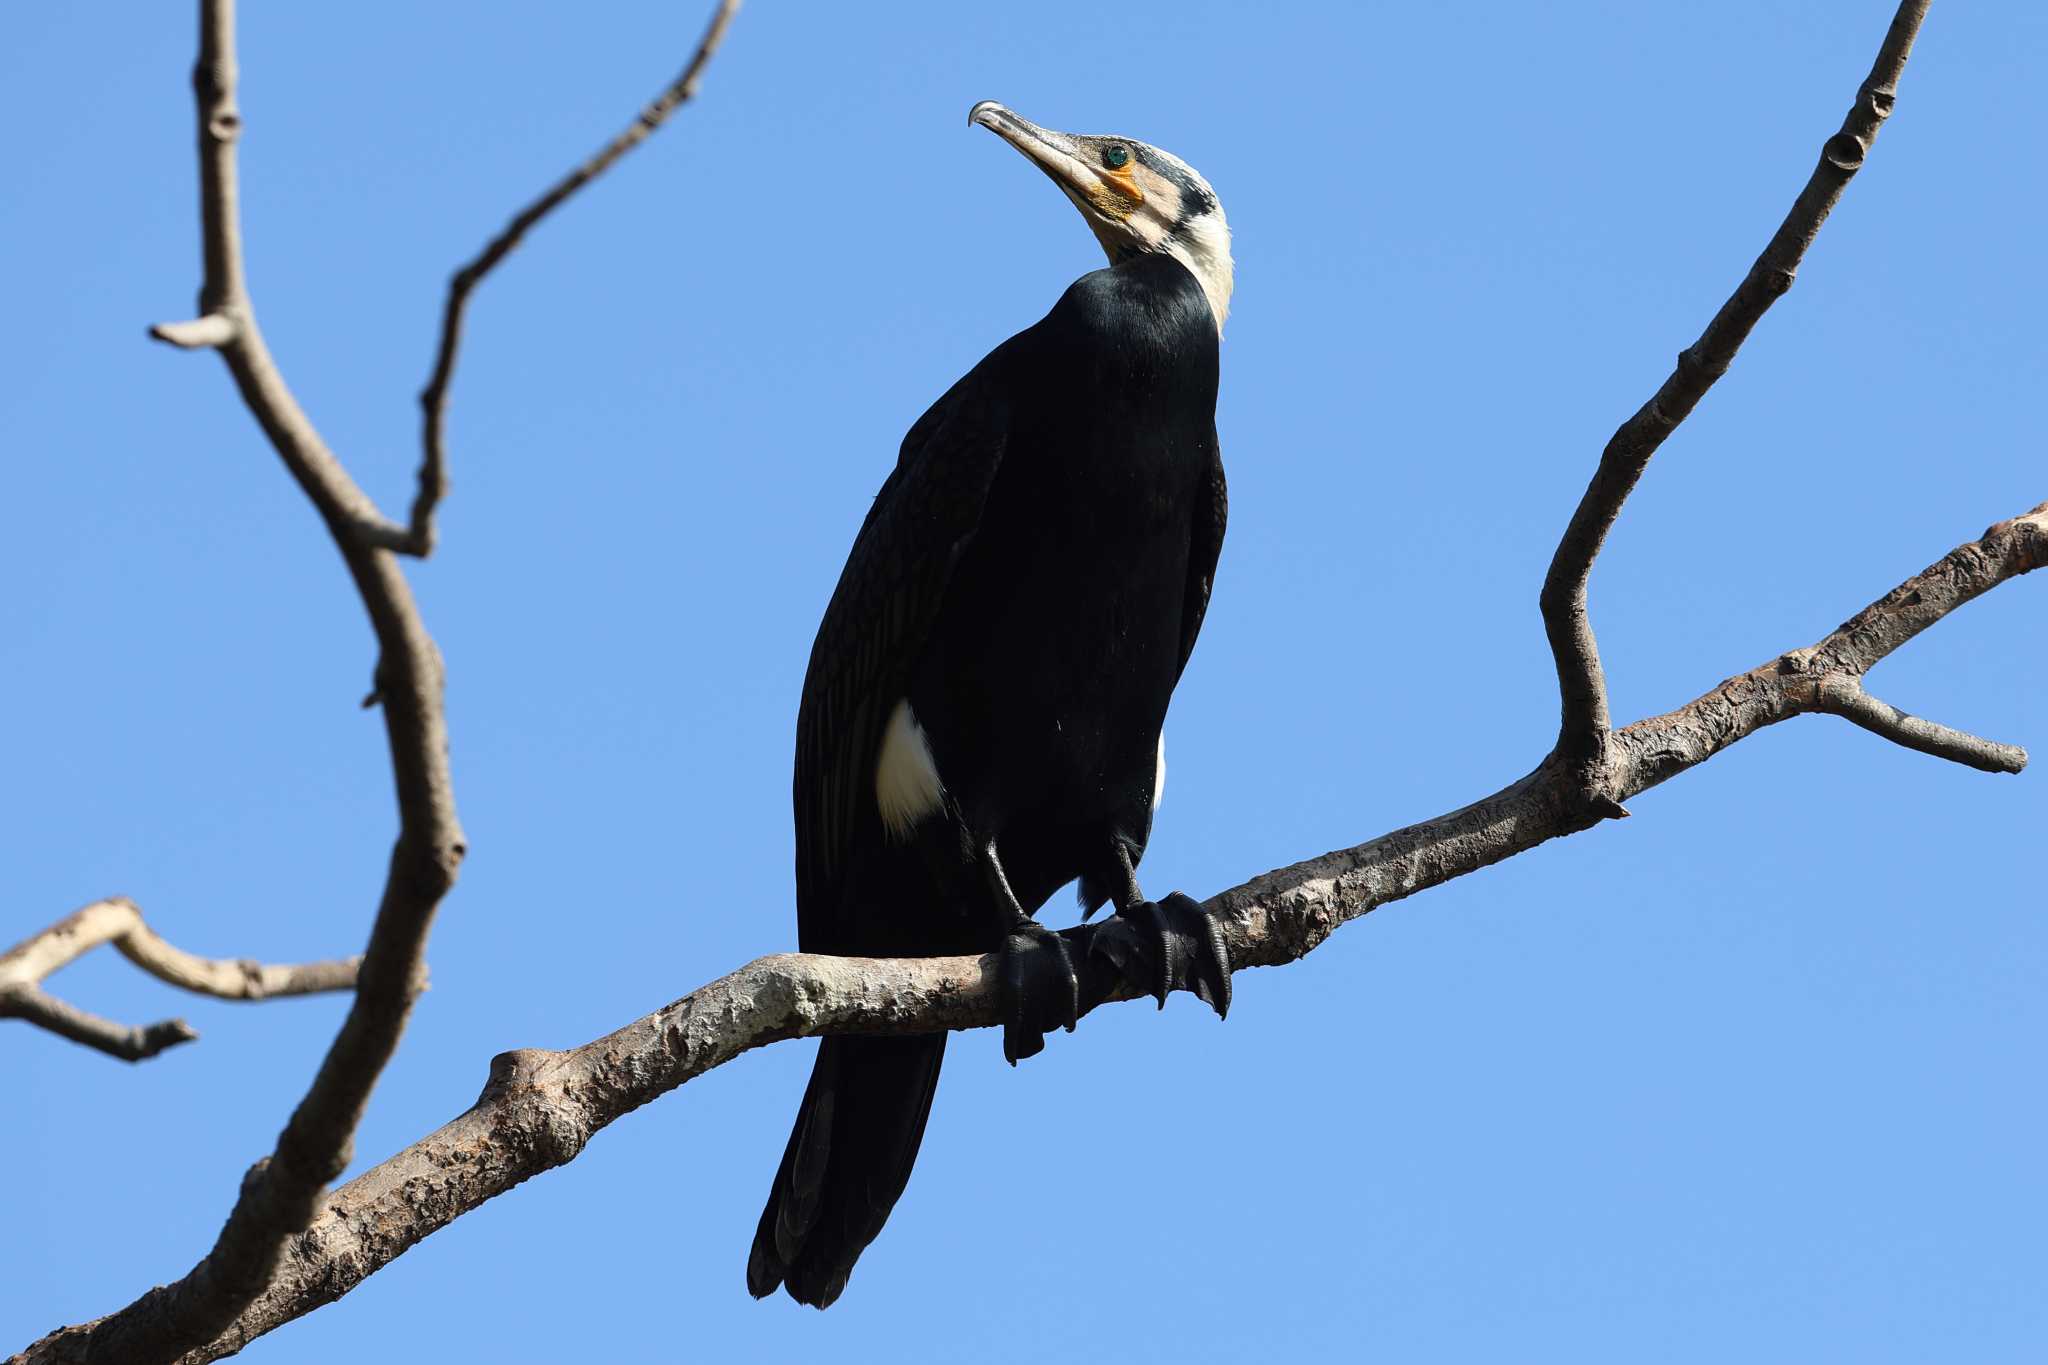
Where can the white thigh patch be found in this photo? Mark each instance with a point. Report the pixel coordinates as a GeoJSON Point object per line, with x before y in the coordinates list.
{"type": "Point", "coordinates": [907, 786]}
{"type": "Point", "coordinates": [1159, 773]}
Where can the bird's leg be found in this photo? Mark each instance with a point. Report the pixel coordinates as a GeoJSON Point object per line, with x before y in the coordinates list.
{"type": "Point", "coordinates": [1162, 946]}
{"type": "Point", "coordinates": [1039, 987]}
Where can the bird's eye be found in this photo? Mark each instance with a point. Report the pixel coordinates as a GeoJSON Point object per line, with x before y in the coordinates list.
{"type": "Point", "coordinates": [1116, 156]}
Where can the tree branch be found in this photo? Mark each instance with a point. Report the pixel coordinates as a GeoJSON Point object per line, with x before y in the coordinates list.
{"type": "Point", "coordinates": [117, 920]}
{"type": "Point", "coordinates": [199, 334]}
{"type": "Point", "coordinates": [539, 1108]}
{"type": "Point", "coordinates": [417, 537]}
{"type": "Point", "coordinates": [1583, 731]}
{"type": "Point", "coordinates": [281, 1193]}
{"type": "Point", "coordinates": [103, 1035]}
{"type": "Point", "coordinates": [1840, 695]}
{"type": "Point", "coordinates": [1654, 750]}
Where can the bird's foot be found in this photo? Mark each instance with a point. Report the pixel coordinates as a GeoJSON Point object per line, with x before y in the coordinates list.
{"type": "Point", "coordinates": [1040, 990]}
{"type": "Point", "coordinates": [1168, 945]}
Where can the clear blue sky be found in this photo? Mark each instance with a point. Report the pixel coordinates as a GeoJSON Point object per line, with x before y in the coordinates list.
{"type": "Point", "coordinates": [1755, 1075]}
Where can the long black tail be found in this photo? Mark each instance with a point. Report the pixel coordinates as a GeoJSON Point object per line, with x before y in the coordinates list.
{"type": "Point", "coordinates": [848, 1159]}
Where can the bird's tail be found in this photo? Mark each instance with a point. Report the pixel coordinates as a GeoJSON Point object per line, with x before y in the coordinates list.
{"type": "Point", "coordinates": [848, 1159]}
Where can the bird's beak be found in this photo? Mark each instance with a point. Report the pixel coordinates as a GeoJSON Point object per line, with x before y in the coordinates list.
{"type": "Point", "coordinates": [1059, 155]}
{"type": "Point", "coordinates": [1054, 151]}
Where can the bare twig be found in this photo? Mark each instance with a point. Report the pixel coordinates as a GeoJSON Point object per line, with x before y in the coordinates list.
{"type": "Point", "coordinates": [1583, 732]}
{"type": "Point", "coordinates": [1843, 696]}
{"type": "Point", "coordinates": [539, 1108]}
{"type": "Point", "coordinates": [46, 1011]}
{"type": "Point", "coordinates": [116, 920]}
{"type": "Point", "coordinates": [417, 537]}
{"type": "Point", "coordinates": [197, 335]}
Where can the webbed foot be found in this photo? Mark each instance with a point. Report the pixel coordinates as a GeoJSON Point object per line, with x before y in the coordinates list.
{"type": "Point", "coordinates": [1040, 990]}
{"type": "Point", "coordinates": [1168, 945]}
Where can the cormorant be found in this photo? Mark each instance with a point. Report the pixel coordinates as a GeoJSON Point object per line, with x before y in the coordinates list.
{"type": "Point", "coordinates": [981, 718]}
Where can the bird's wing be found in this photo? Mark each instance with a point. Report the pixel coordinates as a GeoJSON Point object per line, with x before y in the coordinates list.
{"type": "Point", "coordinates": [875, 628]}
{"type": "Point", "coordinates": [1212, 510]}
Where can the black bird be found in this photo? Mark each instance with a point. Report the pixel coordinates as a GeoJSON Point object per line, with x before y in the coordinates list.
{"type": "Point", "coordinates": [981, 718]}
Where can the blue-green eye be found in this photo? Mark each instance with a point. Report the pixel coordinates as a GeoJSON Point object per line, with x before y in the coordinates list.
{"type": "Point", "coordinates": [1116, 156]}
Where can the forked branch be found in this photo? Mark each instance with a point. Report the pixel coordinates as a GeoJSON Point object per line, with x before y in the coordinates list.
{"type": "Point", "coordinates": [118, 921]}
{"type": "Point", "coordinates": [281, 1193]}
{"type": "Point", "coordinates": [1582, 741]}
{"type": "Point", "coordinates": [539, 1108]}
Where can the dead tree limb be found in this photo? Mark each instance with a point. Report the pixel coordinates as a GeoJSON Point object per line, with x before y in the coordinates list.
{"type": "Point", "coordinates": [417, 537]}
{"type": "Point", "coordinates": [1841, 695]}
{"type": "Point", "coordinates": [118, 921]}
{"type": "Point", "coordinates": [539, 1108]}
{"type": "Point", "coordinates": [1583, 739]}
{"type": "Point", "coordinates": [131, 1044]}
{"type": "Point", "coordinates": [282, 1192]}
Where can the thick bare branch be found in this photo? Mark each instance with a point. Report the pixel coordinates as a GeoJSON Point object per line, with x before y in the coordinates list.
{"type": "Point", "coordinates": [116, 920]}
{"type": "Point", "coordinates": [539, 1108]}
{"type": "Point", "coordinates": [417, 537]}
{"type": "Point", "coordinates": [1582, 687]}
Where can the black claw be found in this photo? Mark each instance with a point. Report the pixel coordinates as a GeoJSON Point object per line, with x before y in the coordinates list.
{"type": "Point", "coordinates": [1172, 965]}
{"type": "Point", "coordinates": [1040, 988]}
{"type": "Point", "coordinates": [1116, 940]}
{"type": "Point", "coordinates": [1169, 945]}
{"type": "Point", "coordinates": [1211, 957]}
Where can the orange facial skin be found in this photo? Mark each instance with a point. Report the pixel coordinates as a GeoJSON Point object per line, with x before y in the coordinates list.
{"type": "Point", "coordinates": [1116, 193]}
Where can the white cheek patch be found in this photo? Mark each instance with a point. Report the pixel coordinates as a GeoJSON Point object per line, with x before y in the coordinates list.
{"type": "Point", "coordinates": [1159, 773]}
{"type": "Point", "coordinates": [907, 786]}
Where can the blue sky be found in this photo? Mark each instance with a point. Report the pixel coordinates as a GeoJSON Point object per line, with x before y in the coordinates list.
{"type": "Point", "coordinates": [1755, 1074]}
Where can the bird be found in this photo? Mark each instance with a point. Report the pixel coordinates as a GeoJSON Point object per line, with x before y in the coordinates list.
{"type": "Point", "coordinates": [982, 715]}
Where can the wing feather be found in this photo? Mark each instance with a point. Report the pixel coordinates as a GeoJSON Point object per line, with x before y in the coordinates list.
{"type": "Point", "coordinates": [1212, 511]}
{"type": "Point", "coordinates": [875, 628]}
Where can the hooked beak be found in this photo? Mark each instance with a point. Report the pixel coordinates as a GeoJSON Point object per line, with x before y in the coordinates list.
{"type": "Point", "coordinates": [1057, 154]}
{"type": "Point", "coordinates": [1042, 145]}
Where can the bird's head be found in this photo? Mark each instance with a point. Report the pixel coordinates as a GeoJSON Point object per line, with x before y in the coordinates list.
{"type": "Point", "coordinates": [1136, 198]}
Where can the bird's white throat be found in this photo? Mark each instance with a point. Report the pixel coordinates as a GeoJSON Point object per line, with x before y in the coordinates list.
{"type": "Point", "coordinates": [1202, 244]}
